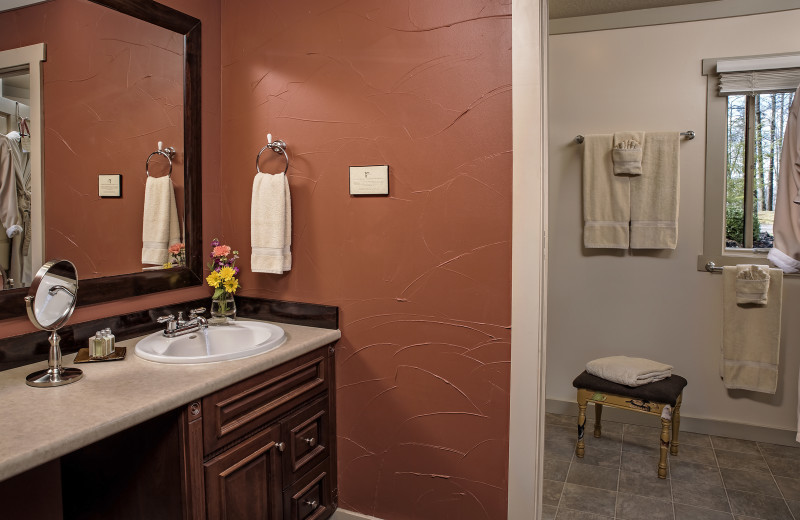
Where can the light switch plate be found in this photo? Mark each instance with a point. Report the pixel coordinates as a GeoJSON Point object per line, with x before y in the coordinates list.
{"type": "Point", "coordinates": [369, 180]}
{"type": "Point", "coordinates": [109, 185]}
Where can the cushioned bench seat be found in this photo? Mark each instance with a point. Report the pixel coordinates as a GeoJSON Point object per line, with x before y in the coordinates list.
{"type": "Point", "coordinates": [661, 398]}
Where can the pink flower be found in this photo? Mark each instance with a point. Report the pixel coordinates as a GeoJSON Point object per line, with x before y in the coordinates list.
{"type": "Point", "coordinates": [221, 251]}
{"type": "Point", "coordinates": [176, 248]}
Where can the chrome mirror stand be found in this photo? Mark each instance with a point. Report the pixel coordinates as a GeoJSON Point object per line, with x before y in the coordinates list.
{"type": "Point", "coordinates": [55, 374]}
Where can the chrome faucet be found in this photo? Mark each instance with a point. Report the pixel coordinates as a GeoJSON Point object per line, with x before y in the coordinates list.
{"type": "Point", "coordinates": [178, 326]}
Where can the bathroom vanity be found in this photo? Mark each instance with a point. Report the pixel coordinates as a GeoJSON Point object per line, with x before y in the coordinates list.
{"type": "Point", "coordinates": [246, 438]}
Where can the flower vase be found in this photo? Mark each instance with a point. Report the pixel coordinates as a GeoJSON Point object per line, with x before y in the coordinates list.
{"type": "Point", "coordinates": [223, 310]}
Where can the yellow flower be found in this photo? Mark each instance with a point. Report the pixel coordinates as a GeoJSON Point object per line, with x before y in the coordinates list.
{"type": "Point", "coordinates": [213, 279]}
{"type": "Point", "coordinates": [227, 274]}
{"type": "Point", "coordinates": [231, 286]}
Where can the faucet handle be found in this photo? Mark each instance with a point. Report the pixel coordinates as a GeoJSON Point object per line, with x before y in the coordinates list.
{"type": "Point", "coordinates": [194, 312]}
{"type": "Point", "coordinates": [164, 319]}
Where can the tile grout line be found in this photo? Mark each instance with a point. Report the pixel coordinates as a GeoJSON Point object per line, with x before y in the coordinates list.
{"type": "Point", "coordinates": [719, 470]}
{"type": "Point", "coordinates": [758, 445]}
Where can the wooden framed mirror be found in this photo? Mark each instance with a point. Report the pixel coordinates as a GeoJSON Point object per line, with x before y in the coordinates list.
{"type": "Point", "coordinates": [109, 288]}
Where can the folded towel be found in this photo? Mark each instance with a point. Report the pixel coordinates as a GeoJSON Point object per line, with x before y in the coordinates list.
{"type": "Point", "coordinates": [654, 193]}
{"type": "Point", "coordinates": [629, 371]}
{"type": "Point", "coordinates": [627, 153]}
{"type": "Point", "coordinates": [160, 227]}
{"type": "Point", "coordinates": [751, 336]}
{"type": "Point", "coordinates": [606, 197]}
{"type": "Point", "coordinates": [752, 284]}
{"type": "Point", "coordinates": [271, 224]}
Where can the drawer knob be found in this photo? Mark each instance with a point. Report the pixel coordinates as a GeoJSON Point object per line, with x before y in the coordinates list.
{"type": "Point", "coordinates": [311, 441]}
{"type": "Point", "coordinates": [281, 446]}
{"type": "Point", "coordinates": [311, 503]}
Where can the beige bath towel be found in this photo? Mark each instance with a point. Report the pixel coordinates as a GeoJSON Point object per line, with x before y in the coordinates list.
{"type": "Point", "coordinates": [271, 224]}
{"type": "Point", "coordinates": [654, 193]}
{"type": "Point", "coordinates": [751, 336]}
{"type": "Point", "coordinates": [606, 197]}
{"type": "Point", "coordinates": [160, 227]}
{"type": "Point", "coordinates": [752, 284]}
{"type": "Point", "coordinates": [627, 153]}
{"type": "Point", "coordinates": [631, 371]}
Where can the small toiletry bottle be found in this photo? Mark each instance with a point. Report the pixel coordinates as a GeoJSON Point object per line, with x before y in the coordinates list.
{"type": "Point", "coordinates": [97, 345]}
{"type": "Point", "coordinates": [112, 340]}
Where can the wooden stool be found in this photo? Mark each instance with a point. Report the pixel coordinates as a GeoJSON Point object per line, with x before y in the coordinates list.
{"type": "Point", "coordinates": [660, 398]}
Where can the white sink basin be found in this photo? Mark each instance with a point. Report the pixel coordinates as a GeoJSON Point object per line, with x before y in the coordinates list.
{"type": "Point", "coordinates": [234, 341]}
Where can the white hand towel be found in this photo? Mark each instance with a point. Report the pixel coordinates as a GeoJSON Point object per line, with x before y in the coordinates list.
{"type": "Point", "coordinates": [751, 336]}
{"type": "Point", "coordinates": [160, 227]}
{"type": "Point", "coordinates": [654, 193]}
{"type": "Point", "coordinates": [627, 153]}
{"type": "Point", "coordinates": [629, 371]}
{"type": "Point", "coordinates": [752, 284]}
{"type": "Point", "coordinates": [606, 197]}
{"type": "Point", "coordinates": [271, 224]}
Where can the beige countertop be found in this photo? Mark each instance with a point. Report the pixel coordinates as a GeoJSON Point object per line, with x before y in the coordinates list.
{"type": "Point", "coordinates": [38, 425]}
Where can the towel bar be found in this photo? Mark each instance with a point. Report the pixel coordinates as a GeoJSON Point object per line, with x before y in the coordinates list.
{"type": "Point", "coordinates": [689, 135]}
{"type": "Point", "coordinates": [277, 147]}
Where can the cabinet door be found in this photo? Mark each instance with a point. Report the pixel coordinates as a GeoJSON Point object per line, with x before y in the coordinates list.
{"type": "Point", "coordinates": [244, 482]}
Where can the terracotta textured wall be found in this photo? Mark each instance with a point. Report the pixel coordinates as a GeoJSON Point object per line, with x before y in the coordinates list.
{"type": "Point", "coordinates": [113, 87]}
{"type": "Point", "coordinates": [61, 28]}
{"type": "Point", "coordinates": [423, 277]}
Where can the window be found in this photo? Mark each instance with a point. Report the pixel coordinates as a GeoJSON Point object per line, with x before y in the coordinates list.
{"type": "Point", "coordinates": [748, 107]}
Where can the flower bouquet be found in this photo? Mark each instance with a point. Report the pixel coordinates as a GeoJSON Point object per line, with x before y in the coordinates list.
{"type": "Point", "coordinates": [223, 280]}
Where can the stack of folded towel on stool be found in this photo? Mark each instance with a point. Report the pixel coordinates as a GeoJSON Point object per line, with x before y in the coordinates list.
{"type": "Point", "coordinates": [629, 371]}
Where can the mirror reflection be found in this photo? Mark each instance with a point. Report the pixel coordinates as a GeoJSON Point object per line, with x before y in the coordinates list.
{"type": "Point", "coordinates": [112, 89]}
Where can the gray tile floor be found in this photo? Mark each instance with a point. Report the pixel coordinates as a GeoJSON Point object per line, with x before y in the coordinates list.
{"type": "Point", "coordinates": [711, 478]}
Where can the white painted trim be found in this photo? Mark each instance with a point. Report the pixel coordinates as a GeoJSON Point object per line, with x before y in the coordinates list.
{"type": "Point", "coordinates": [528, 257]}
{"type": "Point", "coordinates": [343, 514]}
{"type": "Point", "coordinates": [749, 432]}
{"type": "Point", "coordinates": [33, 56]}
{"type": "Point", "coordinates": [671, 14]}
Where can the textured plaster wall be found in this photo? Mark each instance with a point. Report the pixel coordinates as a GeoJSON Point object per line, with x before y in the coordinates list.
{"type": "Point", "coordinates": [422, 277]}
{"type": "Point", "coordinates": [654, 305]}
{"type": "Point", "coordinates": [72, 180]}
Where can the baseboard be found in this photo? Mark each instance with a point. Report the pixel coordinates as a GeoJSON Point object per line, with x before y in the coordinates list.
{"type": "Point", "coordinates": [748, 432]}
{"type": "Point", "coordinates": [343, 514]}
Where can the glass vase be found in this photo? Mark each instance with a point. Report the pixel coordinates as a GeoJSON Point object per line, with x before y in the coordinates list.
{"type": "Point", "coordinates": [223, 310]}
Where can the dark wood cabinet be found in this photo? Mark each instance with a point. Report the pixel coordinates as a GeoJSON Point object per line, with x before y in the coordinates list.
{"type": "Point", "coordinates": [264, 448]}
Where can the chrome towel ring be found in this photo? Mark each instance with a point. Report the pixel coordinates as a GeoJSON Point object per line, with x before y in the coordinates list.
{"type": "Point", "coordinates": [168, 152]}
{"type": "Point", "coordinates": [277, 147]}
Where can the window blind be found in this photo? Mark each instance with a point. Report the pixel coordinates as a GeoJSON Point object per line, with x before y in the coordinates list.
{"type": "Point", "coordinates": [754, 81]}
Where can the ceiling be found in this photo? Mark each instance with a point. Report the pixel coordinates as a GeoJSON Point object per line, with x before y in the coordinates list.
{"type": "Point", "coordinates": [570, 8]}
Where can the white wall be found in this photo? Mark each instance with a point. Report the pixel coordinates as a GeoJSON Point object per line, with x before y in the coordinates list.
{"type": "Point", "coordinates": [656, 305]}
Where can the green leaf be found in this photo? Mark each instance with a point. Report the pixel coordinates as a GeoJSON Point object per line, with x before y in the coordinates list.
{"type": "Point", "coordinates": [218, 292]}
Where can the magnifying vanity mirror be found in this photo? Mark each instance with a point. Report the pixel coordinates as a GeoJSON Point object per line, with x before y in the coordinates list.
{"type": "Point", "coordinates": [105, 96]}
{"type": "Point", "coordinates": [50, 303]}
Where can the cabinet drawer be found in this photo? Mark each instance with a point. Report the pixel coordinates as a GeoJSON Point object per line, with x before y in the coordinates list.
{"type": "Point", "coordinates": [310, 497]}
{"type": "Point", "coordinates": [244, 407]}
{"type": "Point", "coordinates": [306, 437]}
{"type": "Point", "coordinates": [245, 481]}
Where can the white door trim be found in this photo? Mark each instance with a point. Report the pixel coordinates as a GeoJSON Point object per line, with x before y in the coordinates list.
{"type": "Point", "coordinates": [529, 259]}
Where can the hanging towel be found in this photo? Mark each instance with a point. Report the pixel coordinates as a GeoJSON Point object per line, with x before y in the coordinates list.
{"type": "Point", "coordinates": [629, 371]}
{"type": "Point", "coordinates": [606, 197]}
{"type": "Point", "coordinates": [271, 224]}
{"type": "Point", "coordinates": [751, 336]}
{"type": "Point", "coordinates": [752, 284]}
{"type": "Point", "coordinates": [627, 153]}
{"type": "Point", "coordinates": [654, 193]}
{"type": "Point", "coordinates": [160, 227]}
{"type": "Point", "coordinates": [785, 252]}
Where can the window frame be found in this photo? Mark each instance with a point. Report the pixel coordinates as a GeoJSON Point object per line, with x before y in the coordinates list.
{"type": "Point", "coordinates": [714, 249]}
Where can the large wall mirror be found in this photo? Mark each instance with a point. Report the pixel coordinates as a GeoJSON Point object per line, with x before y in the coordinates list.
{"type": "Point", "coordinates": [119, 76]}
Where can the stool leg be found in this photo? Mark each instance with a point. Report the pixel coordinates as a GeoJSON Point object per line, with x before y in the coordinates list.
{"type": "Point", "coordinates": [582, 400]}
{"type": "Point", "coordinates": [662, 461]}
{"type": "Point", "coordinates": [598, 413]}
{"type": "Point", "coordinates": [676, 426]}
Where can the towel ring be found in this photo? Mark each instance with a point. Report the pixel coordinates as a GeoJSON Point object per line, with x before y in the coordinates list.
{"type": "Point", "coordinates": [168, 152]}
{"type": "Point", "coordinates": [278, 147]}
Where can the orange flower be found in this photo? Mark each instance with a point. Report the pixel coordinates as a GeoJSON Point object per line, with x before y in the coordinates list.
{"type": "Point", "coordinates": [176, 248]}
{"type": "Point", "coordinates": [221, 251]}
